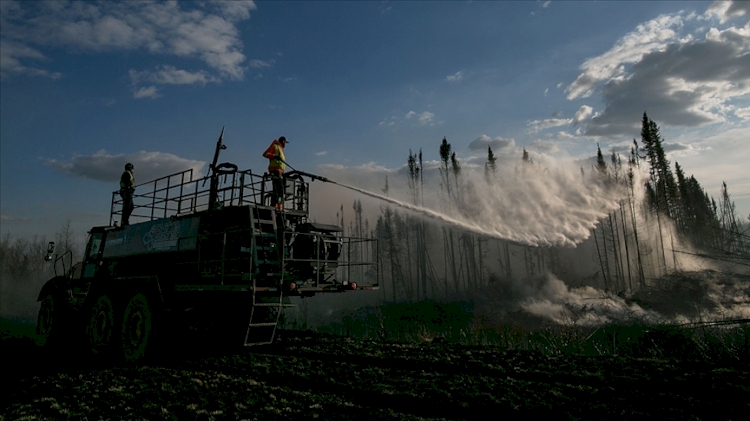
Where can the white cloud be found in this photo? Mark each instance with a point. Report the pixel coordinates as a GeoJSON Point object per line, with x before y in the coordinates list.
{"type": "Point", "coordinates": [582, 114]}
{"type": "Point", "coordinates": [456, 77]}
{"type": "Point", "coordinates": [11, 54]}
{"type": "Point", "coordinates": [259, 64]}
{"type": "Point", "coordinates": [202, 31]}
{"type": "Point", "coordinates": [169, 75]}
{"type": "Point", "coordinates": [146, 92]}
{"type": "Point", "coordinates": [536, 126]}
{"type": "Point", "coordinates": [235, 10]}
{"type": "Point", "coordinates": [679, 78]}
{"type": "Point", "coordinates": [321, 153]}
{"type": "Point", "coordinates": [104, 167]}
{"type": "Point", "coordinates": [743, 113]}
{"type": "Point", "coordinates": [426, 117]}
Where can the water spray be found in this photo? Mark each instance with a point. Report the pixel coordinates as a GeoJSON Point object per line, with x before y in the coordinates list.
{"type": "Point", "coordinates": [475, 228]}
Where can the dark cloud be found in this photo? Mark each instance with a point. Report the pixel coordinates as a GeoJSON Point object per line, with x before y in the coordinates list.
{"type": "Point", "coordinates": [497, 144]}
{"type": "Point", "coordinates": [674, 147]}
{"type": "Point", "coordinates": [108, 168]}
{"type": "Point", "coordinates": [544, 146]}
{"type": "Point", "coordinates": [676, 86]}
{"type": "Point", "coordinates": [727, 10]}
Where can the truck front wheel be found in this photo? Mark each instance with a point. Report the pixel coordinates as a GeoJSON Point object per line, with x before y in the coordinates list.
{"type": "Point", "coordinates": [50, 322]}
{"type": "Point", "coordinates": [101, 325]}
{"type": "Point", "coordinates": [136, 328]}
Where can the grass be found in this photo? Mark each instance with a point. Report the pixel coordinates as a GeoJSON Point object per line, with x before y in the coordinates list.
{"type": "Point", "coordinates": [17, 327]}
{"type": "Point", "coordinates": [430, 321]}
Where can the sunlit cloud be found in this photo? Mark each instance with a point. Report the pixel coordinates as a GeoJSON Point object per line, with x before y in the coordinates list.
{"type": "Point", "coordinates": [498, 144]}
{"type": "Point", "coordinates": [150, 92]}
{"type": "Point", "coordinates": [681, 78]}
{"type": "Point", "coordinates": [456, 77]}
{"type": "Point", "coordinates": [203, 31]}
{"type": "Point", "coordinates": [104, 167]}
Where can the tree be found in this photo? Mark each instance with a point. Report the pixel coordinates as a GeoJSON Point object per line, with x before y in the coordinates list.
{"type": "Point", "coordinates": [490, 167]}
{"type": "Point", "coordinates": [414, 173]}
{"type": "Point", "coordinates": [445, 154]}
{"type": "Point", "coordinates": [728, 219]}
{"type": "Point", "coordinates": [661, 177]}
{"type": "Point", "coordinates": [601, 165]}
{"type": "Point", "coordinates": [661, 187]}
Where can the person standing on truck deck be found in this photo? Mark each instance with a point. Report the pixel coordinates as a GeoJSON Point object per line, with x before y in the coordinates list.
{"type": "Point", "coordinates": [275, 155]}
{"type": "Point", "coordinates": [127, 188]}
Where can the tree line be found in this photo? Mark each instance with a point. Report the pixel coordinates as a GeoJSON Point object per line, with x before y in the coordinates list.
{"type": "Point", "coordinates": [663, 217]}
{"type": "Point", "coordinates": [23, 269]}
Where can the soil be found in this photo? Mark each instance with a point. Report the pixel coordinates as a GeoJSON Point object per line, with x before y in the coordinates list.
{"type": "Point", "coordinates": [306, 375]}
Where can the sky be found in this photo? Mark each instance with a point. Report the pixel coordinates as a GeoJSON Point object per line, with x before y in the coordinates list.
{"type": "Point", "coordinates": [86, 87]}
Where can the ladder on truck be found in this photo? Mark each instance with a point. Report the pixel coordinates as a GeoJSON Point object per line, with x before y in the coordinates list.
{"type": "Point", "coordinates": [267, 275]}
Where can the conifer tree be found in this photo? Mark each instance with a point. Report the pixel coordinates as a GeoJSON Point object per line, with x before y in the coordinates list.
{"type": "Point", "coordinates": [601, 164]}
{"type": "Point", "coordinates": [664, 185]}
{"type": "Point", "coordinates": [445, 155]}
{"type": "Point", "coordinates": [413, 177]}
{"type": "Point", "coordinates": [490, 167]}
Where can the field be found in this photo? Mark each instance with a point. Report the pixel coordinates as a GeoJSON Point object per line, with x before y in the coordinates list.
{"type": "Point", "coordinates": [311, 375]}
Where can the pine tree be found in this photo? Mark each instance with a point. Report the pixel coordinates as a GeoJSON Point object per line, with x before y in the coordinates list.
{"type": "Point", "coordinates": [601, 165]}
{"type": "Point", "coordinates": [728, 218]}
{"type": "Point", "coordinates": [445, 155]}
{"type": "Point", "coordinates": [490, 167]}
{"type": "Point", "coordinates": [413, 177]}
{"type": "Point", "coordinates": [664, 185]}
{"type": "Point", "coordinates": [684, 205]}
{"type": "Point", "coordinates": [661, 188]}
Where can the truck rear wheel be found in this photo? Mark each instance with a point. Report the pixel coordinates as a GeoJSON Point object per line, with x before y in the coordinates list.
{"type": "Point", "coordinates": [136, 328]}
{"type": "Point", "coordinates": [101, 325]}
{"type": "Point", "coordinates": [50, 322]}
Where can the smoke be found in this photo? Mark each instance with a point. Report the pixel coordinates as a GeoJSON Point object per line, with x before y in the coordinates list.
{"type": "Point", "coordinates": [679, 298]}
{"type": "Point", "coordinates": [584, 306]}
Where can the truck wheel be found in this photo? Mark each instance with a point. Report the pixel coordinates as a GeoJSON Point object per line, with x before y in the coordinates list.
{"type": "Point", "coordinates": [50, 322]}
{"type": "Point", "coordinates": [101, 325]}
{"type": "Point", "coordinates": [136, 328]}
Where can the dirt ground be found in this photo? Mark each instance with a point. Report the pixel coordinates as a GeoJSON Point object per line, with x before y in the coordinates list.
{"type": "Point", "coordinates": [306, 375]}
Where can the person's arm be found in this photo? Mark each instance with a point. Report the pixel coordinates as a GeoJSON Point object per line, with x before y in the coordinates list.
{"type": "Point", "coordinates": [271, 152]}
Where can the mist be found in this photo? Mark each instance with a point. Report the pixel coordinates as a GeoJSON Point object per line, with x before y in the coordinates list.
{"type": "Point", "coordinates": [536, 207]}
{"type": "Point", "coordinates": [545, 236]}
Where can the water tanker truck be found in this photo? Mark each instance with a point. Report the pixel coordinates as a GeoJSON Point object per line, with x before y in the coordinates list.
{"type": "Point", "coordinates": [222, 257]}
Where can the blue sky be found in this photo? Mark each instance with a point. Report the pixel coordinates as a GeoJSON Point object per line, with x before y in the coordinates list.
{"type": "Point", "coordinates": [87, 86]}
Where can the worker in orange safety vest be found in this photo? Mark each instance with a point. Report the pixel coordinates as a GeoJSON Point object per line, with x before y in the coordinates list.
{"type": "Point", "coordinates": [276, 165]}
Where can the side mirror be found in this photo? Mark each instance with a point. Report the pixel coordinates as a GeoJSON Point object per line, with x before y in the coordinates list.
{"type": "Point", "coordinates": [50, 250]}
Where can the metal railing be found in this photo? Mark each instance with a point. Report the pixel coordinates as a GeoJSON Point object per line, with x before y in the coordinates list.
{"type": "Point", "coordinates": [179, 194]}
{"type": "Point", "coordinates": [356, 259]}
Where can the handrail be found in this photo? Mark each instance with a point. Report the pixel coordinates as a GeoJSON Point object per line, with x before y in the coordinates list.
{"type": "Point", "coordinates": [179, 194]}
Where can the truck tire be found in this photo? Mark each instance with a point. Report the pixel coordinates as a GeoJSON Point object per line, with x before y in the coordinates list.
{"type": "Point", "coordinates": [50, 325]}
{"type": "Point", "coordinates": [137, 327]}
{"type": "Point", "coordinates": [100, 330]}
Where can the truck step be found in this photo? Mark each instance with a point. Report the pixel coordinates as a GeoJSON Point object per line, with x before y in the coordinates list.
{"type": "Point", "coordinates": [269, 324]}
{"type": "Point", "coordinates": [258, 343]}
